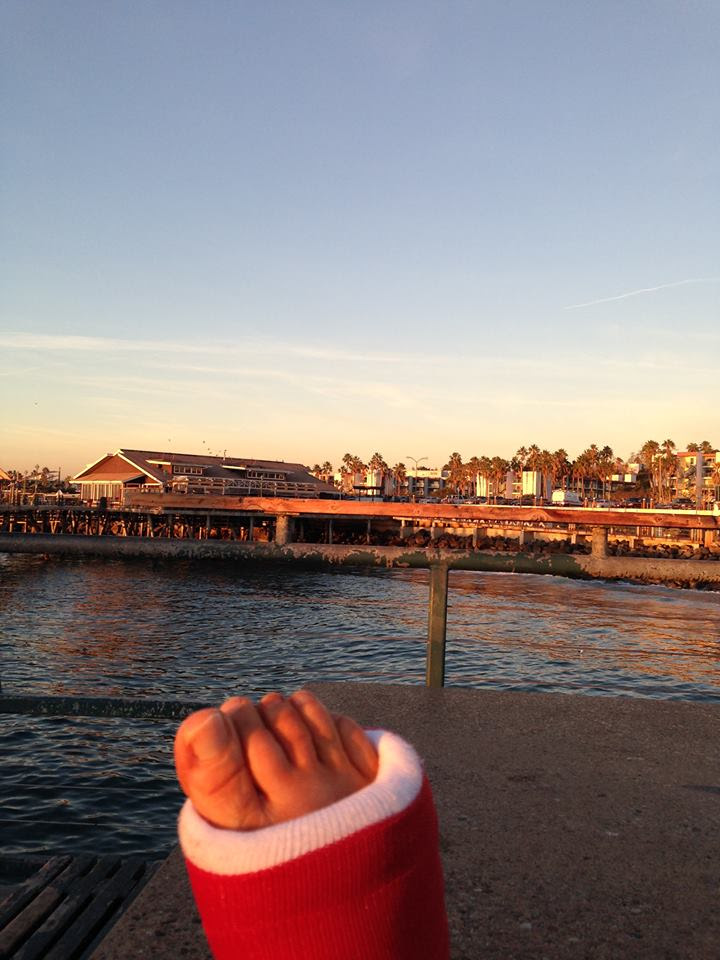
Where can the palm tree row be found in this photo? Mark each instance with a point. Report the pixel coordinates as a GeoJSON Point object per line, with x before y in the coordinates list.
{"type": "Point", "coordinates": [593, 468]}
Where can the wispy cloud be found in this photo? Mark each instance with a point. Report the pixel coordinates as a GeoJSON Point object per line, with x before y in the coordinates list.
{"type": "Point", "coordinates": [642, 290]}
{"type": "Point", "coordinates": [279, 359]}
{"type": "Point", "coordinates": [66, 343]}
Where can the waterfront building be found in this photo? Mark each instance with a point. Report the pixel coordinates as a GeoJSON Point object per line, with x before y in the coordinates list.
{"type": "Point", "coordinates": [536, 484]}
{"type": "Point", "coordinates": [506, 486]}
{"type": "Point", "coordinates": [426, 482]}
{"type": "Point", "coordinates": [696, 476]}
{"type": "Point", "coordinates": [109, 477]}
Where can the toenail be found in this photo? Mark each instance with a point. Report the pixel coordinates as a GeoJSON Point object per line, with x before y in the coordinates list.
{"type": "Point", "coordinates": [271, 698]}
{"type": "Point", "coordinates": [210, 737]}
{"type": "Point", "coordinates": [301, 697]}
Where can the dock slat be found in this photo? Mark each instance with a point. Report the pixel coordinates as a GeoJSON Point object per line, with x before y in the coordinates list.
{"type": "Point", "coordinates": [16, 933]}
{"type": "Point", "coordinates": [109, 901]}
{"type": "Point", "coordinates": [17, 899]}
{"type": "Point", "coordinates": [61, 911]}
{"type": "Point", "coordinates": [73, 894]}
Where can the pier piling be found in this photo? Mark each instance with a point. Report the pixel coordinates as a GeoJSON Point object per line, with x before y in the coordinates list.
{"type": "Point", "coordinates": [437, 625]}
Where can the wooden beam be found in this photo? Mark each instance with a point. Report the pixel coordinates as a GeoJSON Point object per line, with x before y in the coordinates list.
{"type": "Point", "coordinates": [449, 512]}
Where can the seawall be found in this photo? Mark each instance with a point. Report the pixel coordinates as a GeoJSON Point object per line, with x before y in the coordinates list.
{"type": "Point", "coordinates": [692, 573]}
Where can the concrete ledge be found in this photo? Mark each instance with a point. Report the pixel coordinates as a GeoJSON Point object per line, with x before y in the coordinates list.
{"type": "Point", "coordinates": [571, 827]}
{"type": "Point", "coordinates": [684, 572]}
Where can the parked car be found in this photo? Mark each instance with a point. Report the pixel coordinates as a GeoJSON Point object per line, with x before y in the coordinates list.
{"type": "Point", "coordinates": [566, 498]}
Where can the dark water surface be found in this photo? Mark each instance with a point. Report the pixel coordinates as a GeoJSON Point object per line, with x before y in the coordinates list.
{"type": "Point", "coordinates": [191, 631]}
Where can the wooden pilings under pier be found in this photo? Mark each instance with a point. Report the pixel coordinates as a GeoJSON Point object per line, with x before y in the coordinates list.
{"type": "Point", "coordinates": [258, 519]}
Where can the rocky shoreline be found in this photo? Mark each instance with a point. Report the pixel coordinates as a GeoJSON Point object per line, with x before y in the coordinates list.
{"type": "Point", "coordinates": [536, 547]}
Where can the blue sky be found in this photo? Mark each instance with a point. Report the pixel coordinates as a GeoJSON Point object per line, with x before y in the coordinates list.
{"type": "Point", "coordinates": [290, 230]}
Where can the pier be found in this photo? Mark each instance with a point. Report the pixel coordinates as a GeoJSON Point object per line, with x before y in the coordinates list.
{"type": "Point", "coordinates": [570, 827]}
{"type": "Point", "coordinates": [270, 529]}
{"type": "Point", "coordinates": [284, 520]}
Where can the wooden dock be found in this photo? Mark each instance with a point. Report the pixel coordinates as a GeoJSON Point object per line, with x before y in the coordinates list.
{"type": "Point", "coordinates": [61, 907]}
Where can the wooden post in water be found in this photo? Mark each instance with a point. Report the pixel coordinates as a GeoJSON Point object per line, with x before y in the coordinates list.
{"type": "Point", "coordinates": [437, 625]}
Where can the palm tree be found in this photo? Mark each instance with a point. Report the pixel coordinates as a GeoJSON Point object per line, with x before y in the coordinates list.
{"type": "Point", "coordinates": [473, 471]}
{"type": "Point", "coordinates": [580, 470]}
{"type": "Point", "coordinates": [499, 473]}
{"type": "Point", "coordinates": [533, 456]}
{"type": "Point", "coordinates": [560, 466]}
{"type": "Point", "coordinates": [457, 473]}
{"type": "Point", "coordinates": [716, 479]}
{"type": "Point", "coordinates": [669, 463]}
{"type": "Point", "coordinates": [399, 473]}
{"type": "Point", "coordinates": [485, 471]}
{"type": "Point", "coordinates": [351, 464]}
{"type": "Point", "coordinates": [377, 465]}
{"type": "Point", "coordinates": [587, 467]}
{"type": "Point", "coordinates": [648, 456]}
{"type": "Point", "coordinates": [545, 466]}
{"type": "Point", "coordinates": [606, 468]}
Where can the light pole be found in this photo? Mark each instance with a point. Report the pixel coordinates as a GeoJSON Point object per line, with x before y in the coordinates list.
{"type": "Point", "coordinates": [416, 461]}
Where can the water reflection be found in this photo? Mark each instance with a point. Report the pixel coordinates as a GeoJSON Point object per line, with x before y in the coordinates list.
{"type": "Point", "coordinates": [201, 632]}
{"type": "Point", "coordinates": [588, 636]}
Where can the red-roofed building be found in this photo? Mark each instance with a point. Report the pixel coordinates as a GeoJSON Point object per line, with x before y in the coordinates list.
{"type": "Point", "coordinates": [107, 479]}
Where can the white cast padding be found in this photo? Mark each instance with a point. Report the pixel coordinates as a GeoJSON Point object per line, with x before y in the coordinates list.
{"type": "Point", "coordinates": [233, 852]}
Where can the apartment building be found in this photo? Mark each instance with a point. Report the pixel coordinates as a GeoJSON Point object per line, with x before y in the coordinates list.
{"type": "Point", "coordinates": [697, 477]}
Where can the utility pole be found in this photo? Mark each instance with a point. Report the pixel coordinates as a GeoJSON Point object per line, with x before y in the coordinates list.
{"type": "Point", "coordinates": [416, 461]}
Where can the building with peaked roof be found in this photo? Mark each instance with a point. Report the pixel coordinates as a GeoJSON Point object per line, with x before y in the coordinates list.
{"type": "Point", "coordinates": [107, 479]}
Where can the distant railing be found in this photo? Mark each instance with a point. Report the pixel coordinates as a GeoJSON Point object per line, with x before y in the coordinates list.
{"type": "Point", "coordinates": [131, 709]}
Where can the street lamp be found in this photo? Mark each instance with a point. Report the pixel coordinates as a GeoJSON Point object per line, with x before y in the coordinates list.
{"type": "Point", "coordinates": [416, 461]}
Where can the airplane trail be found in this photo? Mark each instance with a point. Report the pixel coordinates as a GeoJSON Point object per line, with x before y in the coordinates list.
{"type": "Point", "coordinates": [636, 293]}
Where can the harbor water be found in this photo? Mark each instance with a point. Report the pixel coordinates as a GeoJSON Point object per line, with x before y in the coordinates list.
{"type": "Point", "coordinates": [202, 631]}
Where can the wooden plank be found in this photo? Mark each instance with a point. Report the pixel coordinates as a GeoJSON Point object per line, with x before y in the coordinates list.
{"type": "Point", "coordinates": [16, 934]}
{"type": "Point", "coordinates": [109, 900]}
{"type": "Point", "coordinates": [25, 891]}
{"type": "Point", "coordinates": [63, 910]}
{"type": "Point", "coordinates": [459, 513]}
{"type": "Point", "coordinates": [450, 512]}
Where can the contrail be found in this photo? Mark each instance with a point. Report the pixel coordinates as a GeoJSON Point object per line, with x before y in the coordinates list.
{"type": "Point", "coordinates": [636, 293]}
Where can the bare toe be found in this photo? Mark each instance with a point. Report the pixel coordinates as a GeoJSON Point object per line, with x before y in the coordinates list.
{"type": "Point", "coordinates": [360, 751]}
{"type": "Point", "coordinates": [290, 730]}
{"type": "Point", "coordinates": [328, 745]}
{"type": "Point", "coordinates": [212, 770]}
{"type": "Point", "coordinates": [265, 758]}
